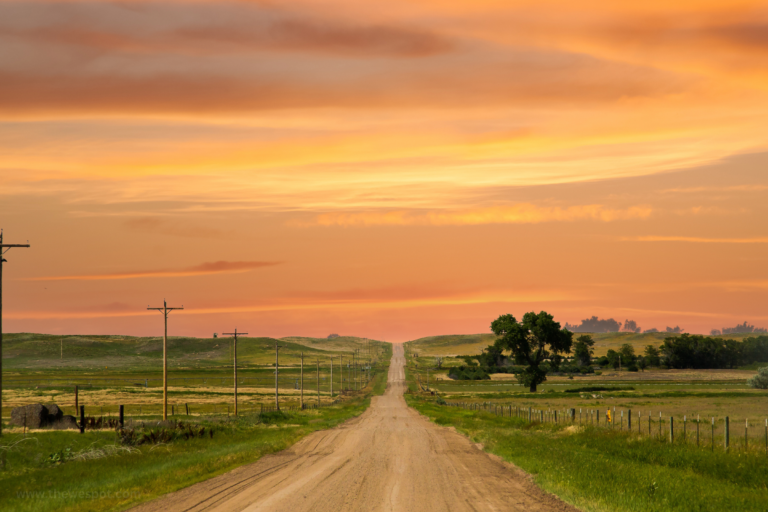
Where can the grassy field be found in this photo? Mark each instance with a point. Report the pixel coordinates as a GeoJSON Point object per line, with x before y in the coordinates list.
{"type": "Point", "coordinates": [601, 466]}
{"type": "Point", "coordinates": [604, 470]}
{"type": "Point", "coordinates": [451, 346]}
{"type": "Point", "coordinates": [32, 479]}
{"type": "Point", "coordinates": [28, 354]}
{"type": "Point", "coordinates": [115, 370]}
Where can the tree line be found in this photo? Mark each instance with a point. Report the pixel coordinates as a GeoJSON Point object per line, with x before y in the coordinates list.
{"type": "Point", "coordinates": [539, 345]}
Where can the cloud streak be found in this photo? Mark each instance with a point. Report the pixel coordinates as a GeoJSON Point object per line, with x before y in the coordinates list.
{"type": "Point", "coordinates": [515, 214]}
{"type": "Point", "coordinates": [216, 267]}
{"type": "Point", "coordinates": [696, 240]}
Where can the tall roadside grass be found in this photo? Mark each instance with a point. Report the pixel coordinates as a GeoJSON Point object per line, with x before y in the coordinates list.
{"type": "Point", "coordinates": [604, 470]}
{"type": "Point", "coordinates": [43, 472]}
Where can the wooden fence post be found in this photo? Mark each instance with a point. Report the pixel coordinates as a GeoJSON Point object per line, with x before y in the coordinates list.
{"type": "Point", "coordinates": [746, 435]}
{"type": "Point", "coordinates": [671, 429]}
{"type": "Point", "coordinates": [727, 432]}
{"type": "Point", "coordinates": [82, 419]}
{"type": "Point", "coordinates": [122, 417]}
{"type": "Point", "coordinates": [629, 420]}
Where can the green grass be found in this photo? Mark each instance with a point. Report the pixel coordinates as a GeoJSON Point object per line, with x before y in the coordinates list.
{"type": "Point", "coordinates": [119, 482]}
{"type": "Point", "coordinates": [471, 344]}
{"type": "Point", "coordinates": [41, 354]}
{"type": "Point", "coordinates": [604, 470]}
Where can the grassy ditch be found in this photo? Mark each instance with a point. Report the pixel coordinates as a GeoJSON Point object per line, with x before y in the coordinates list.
{"type": "Point", "coordinates": [68, 471]}
{"type": "Point", "coordinates": [604, 470]}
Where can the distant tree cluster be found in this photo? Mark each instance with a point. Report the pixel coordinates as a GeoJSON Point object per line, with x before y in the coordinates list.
{"type": "Point", "coordinates": [625, 357]}
{"type": "Point", "coordinates": [701, 352]}
{"type": "Point", "coordinates": [739, 329]}
{"type": "Point", "coordinates": [472, 372]}
{"type": "Point", "coordinates": [595, 324]}
{"type": "Point", "coordinates": [630, 326]}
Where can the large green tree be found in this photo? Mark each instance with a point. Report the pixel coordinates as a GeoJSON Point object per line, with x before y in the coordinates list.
{"type": "Point", "coordinates": [532, 341]}
{"type": "Point", "coordinates": [582, 350]}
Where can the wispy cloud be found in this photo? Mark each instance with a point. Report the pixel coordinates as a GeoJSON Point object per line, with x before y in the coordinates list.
{"type": "Point", "coordinates": [733, 188]}
{"type": "Point", "coordinates": [515, 214]}
{"type": "Point", "coordinates": [216, 267]}
{"type": "Point", "coordinates": [352, 299]}
{"type": "Point", "coordinates": [697, 240]}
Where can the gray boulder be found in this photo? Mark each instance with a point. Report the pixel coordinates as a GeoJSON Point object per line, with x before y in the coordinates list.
{"type": "Point", "coordinates": [31, 416]}
{"type": "Point", "coordinates": [64, 423]}
{"type": "Point", "coordinates": [54, 413]}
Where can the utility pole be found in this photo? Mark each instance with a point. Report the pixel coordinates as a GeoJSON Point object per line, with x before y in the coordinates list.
{"type": "Point", "coordinates": [277, 371]}
{"type": "Point", "coordinates": [234, 353]}
{"type": "Point", "coordinates": [165, 310]}
{"type": "Point", "coordinates": [331, 377]}
{"type": "Point", "coordinates": [354, 367]}
{"type": "Point", "coordinates": [318, 383]}
{"type": "Point", "coordinates": [4, 248]}
{"type": "Point", "coordinates": [302, 381]}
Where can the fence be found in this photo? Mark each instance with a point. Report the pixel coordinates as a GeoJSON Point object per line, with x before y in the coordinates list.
{"type": "Point", "coordinates": [283, 383]}
{"type": "Point", "coordinates": [723, 433]}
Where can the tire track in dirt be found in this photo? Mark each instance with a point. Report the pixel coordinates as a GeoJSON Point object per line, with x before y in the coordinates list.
{"type": "Point", "coordinates": [388, 459]}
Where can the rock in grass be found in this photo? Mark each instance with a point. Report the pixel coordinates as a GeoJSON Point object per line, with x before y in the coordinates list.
{"type": "Point", "coordinates": [54, 413]}
{"type": "Point", "coordinates": [66, 422]}
{"type": "Point", "coordinates": [31, 416]}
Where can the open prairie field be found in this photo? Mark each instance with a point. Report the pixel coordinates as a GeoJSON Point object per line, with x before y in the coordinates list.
{"type": "Point", "coordinates": [574, 434]}
{"type": "Point", "coordinates": [26, 353]}
{"type": "Point", "coordinates": [118, 370]}
{"type": "Point", "coordinates": [450, 346]}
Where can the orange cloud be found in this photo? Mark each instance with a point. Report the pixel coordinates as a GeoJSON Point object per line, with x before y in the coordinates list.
{"type": "Point", "coordinates": [216, 267]}
{"type": "Point", "coordinates": [516, 214]}
{"type": "Point", "coordinates": [354, 299]}
{"type": "Point", "coordinates": [698, 240]}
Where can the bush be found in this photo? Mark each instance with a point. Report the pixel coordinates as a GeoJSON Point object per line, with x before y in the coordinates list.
{"type": "Point", "coordinates": [468, 373]}
{"type": "Point", "coordinates": [440, 401]}
{"type": "Point", "coordinates": [632, 368]}
{"type": "Point", "coordinates": [759, 381]}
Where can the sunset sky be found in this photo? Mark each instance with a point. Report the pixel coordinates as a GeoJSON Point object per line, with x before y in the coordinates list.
{"type": "Point", "coordinates": [390, 170]}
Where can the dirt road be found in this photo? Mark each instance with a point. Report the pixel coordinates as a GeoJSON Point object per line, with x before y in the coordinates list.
{"type": "Point", "coordinates": [389, 459]}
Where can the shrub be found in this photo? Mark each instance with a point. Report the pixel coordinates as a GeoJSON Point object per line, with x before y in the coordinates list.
{"type": "Point", "coordinates": [440, 401]}
{"type": "Point", "coordinates": [632, 368]}
{"type": "Point", "coordinates": [759, 381]}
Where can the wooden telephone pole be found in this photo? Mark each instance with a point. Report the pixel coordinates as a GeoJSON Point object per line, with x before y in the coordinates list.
{"type": "Point", "coordinates": [302, 381]}
{"type": "Point", "coordinates": [234, 357]}
{"type": "Point", "coordinates": [277, 372]}
{"type": "Point", "coordinates": [318, 383]}
{"type": "Point", "coordinates": [165, 310]}
{"type": "Point", "coordinates": [4, 248]}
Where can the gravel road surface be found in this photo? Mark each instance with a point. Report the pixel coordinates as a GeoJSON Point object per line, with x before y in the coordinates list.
{"type": "Point", "coordinates": [388, 459]}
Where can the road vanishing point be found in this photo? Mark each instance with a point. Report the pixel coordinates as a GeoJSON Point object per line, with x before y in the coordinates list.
{"type": "Point", "coordinates": [390, 458]}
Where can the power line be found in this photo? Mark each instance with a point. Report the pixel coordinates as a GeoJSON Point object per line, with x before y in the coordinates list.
{"type": "Point", "coordinates": [4, 248]}
{"type": "Point", "coordinates": [277, 371]}
{"type": "Point", "coordinates": [235, 334]}
{"type": "Point", "coordinates": [165, 310]}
